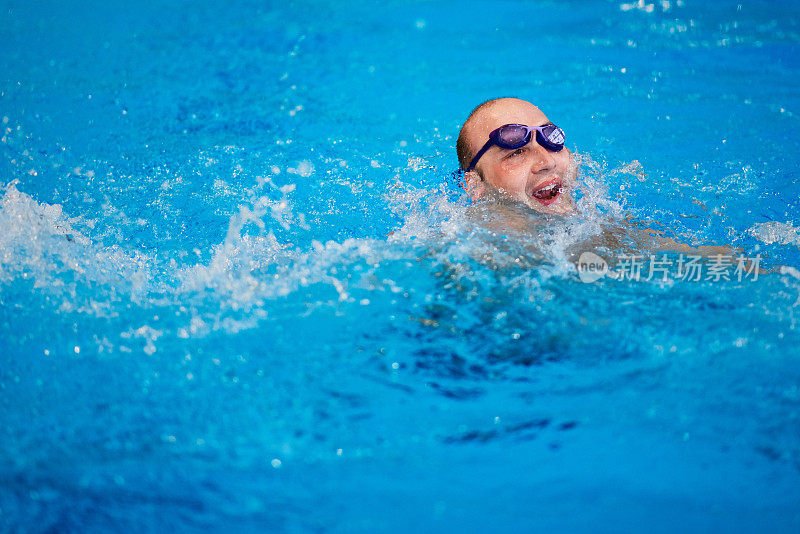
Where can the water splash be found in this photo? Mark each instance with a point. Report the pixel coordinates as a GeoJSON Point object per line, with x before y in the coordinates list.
{"type": "Point", "coordinates": [776, 232]}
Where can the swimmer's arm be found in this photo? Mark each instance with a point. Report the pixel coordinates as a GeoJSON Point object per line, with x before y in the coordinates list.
{"type": "Point", "coordinates": [651, 238]}
{"type": "Point", "coordinates": [662, 243]}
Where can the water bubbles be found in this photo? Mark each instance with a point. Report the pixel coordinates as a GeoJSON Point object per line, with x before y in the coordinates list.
{"type": "Point", "coordinates": [150, 335]}
{"type": "Point", "coordinates": [304, 168]}
{"type": "Point", "coordinates": [776, 232]}
{"type": "Point", "coordinates": [641, 5]}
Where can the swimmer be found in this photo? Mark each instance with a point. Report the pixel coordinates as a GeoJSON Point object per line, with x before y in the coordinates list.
{"type": "Point", "coordinates": [508, 148]}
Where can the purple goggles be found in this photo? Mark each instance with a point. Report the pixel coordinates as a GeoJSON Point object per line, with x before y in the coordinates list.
{"type": "Point", "coordinates": [512, 136]}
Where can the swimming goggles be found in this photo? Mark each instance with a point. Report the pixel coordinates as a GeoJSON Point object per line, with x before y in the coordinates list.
{"type": "Point", "coordinates": [512, 136]}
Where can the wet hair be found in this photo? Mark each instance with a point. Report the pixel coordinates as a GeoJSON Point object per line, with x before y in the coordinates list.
{"type": "Point", "coordinates": [464, 152]}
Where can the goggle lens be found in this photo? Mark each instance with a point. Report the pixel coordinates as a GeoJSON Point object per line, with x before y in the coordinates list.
{"type": "Point", "coordinates": [553, 134]}
{"type": "Point", "coordinates": [513, 136]}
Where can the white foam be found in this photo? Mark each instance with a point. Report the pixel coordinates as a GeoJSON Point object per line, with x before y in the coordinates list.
{"type": "Point", "coordinates": [23, 217]}
{"type": "Point", "coordinates": [38, 241]}
{"type": "Point", "coordinates": [776, 232]}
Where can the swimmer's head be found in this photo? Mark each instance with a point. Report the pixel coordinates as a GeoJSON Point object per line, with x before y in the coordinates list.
{"type": "Point", "coordinates": [539, 173]}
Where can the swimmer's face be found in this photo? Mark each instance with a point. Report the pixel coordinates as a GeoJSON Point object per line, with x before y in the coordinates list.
{"type": "Point", "coordinates": [531, 174]}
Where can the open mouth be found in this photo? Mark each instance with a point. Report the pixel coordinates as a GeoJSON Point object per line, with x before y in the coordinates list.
{"type": "Point", "coordinates": [547, 193]}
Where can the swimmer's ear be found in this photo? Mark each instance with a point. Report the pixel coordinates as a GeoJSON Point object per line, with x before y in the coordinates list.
{"type": "Point", "coordinates": [474, 185]}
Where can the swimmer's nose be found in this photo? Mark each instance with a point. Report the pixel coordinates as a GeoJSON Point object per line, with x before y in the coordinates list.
{"type": "Point", "coordinates": [543, 160]}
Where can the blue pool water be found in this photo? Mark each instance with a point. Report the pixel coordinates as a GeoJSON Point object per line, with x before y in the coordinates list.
{"type": "Point", "coordinates": [238, 290]}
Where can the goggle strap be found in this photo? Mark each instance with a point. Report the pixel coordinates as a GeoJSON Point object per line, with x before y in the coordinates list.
{"type": "Point", "coordinates": [480, 153]}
